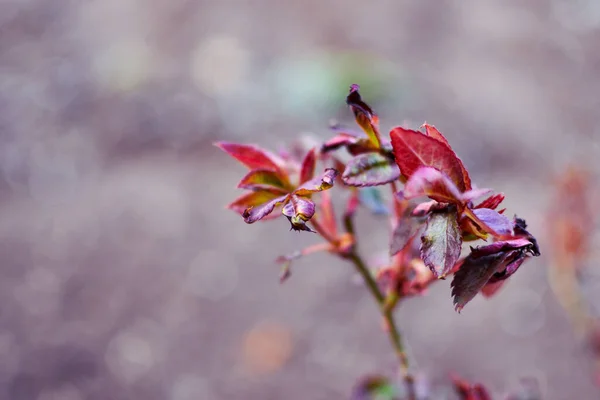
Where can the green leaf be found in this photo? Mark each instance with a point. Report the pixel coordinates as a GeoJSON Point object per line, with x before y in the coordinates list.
{"type": "Point", "coordinates": [375, 387]}
{"type": "Point", "coordinates": [370, 169]}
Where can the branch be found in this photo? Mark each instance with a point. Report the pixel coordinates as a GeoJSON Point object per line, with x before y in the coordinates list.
{"type": "Point", "coordinates": [387, 313]}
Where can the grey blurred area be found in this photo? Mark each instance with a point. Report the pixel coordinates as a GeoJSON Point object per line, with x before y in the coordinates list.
{"type": "Point", "coordinates": [122, 276]}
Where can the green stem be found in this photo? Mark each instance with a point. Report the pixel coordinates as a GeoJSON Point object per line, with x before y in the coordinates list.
{"type": "Point", "coordinates": [388, 315]}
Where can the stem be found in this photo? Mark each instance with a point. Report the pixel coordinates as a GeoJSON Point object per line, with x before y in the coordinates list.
{"type": "Point", "coordinates": [322, 231]}
{"type": "Point", "coordinates": [363, 270]}
{"type": "Point", "coordinates": [397, 209]}
{"type": "Point", "coordinates": [388, 316]}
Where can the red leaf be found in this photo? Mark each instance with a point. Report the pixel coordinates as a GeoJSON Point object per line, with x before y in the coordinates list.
{"type": "Point", "coordinates": [413, 150]}
{"type": "Point", "coordinates": [370, 169]}
{"type": "Point", "coordinates": [323, 182]}
{"type": "Point", "coordinates": [352, 204]}
{"type": "Point", "coordinates": [428, 181]}
{"type": "Point", "coordinates": [364, 115]}
{"type": "Point", "coordinates": [251, 156]}
{"type": "Point", "coordinates": [253, 214]}
{"type": "Point", "coordinates": [308, 166]}
{"type": "Point", "coordinates": [327, 214]}
{"type": "Point", "coordinates": [263, 178]}
{"type": "Point", "coordinates": [441, 242]}
{"type": "Point", "coordinates": [491, 202]}
{"type": "Point", "coordinates": [467, 391]}
{"type": "Point", "coordinates": [432, 131]}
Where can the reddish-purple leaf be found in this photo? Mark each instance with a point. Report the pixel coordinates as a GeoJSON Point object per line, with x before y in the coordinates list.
{"type": "Point", "coordinates": [515, 260]}
{"type": "Point", "coordinates": [299, 211]}
{"type": "Point", "coordinates": [263, 178]}
{"type": "Point", "coordinates": [491, 202]}
{"type": "Point", "coordinates": [253, 199]}
{"type": "Point", "coordinates": [426, 207]}
{"type": "Point", "coordinates": [520, 228]}
{"type": "Point", "coordinates": [364, 115]}
{"type": "Point", "coordinates": [355, 145]}
{"type": "Point", "coordinates": [500, 246]}
{"type": "Point", "coordinates": [488, 264]}
{"type": "Point", "coordinates": [413, 150]}
{"type": "Point", "coordinates": [323, 182]}
{"type": "Point", "coordinates": [498, 222]}
{"type": "Point", "coordinates": [407, 228]}
{"type": "Point", "coordinates": [472, 276]}
{"type": "Point", "coordinates": [308, 166]}
{"type": "Point", "coordinates": [428, 181]}
{"type": "Point", "coordinates": [253, 214]}
{"type": "Point", "coordinates": [251, 156]}
{"type": "Point", "coordinates": [513, 266]}
{"type": "Point", "coordinates": [370, 169]}
{"type": "Point", "coordinates": [340, 140]}
{"type": "Point", "coordinates": [441, 242]}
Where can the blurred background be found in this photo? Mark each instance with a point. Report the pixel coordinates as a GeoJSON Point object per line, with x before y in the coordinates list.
{"type": "Point", "coordinates": [122, 276]}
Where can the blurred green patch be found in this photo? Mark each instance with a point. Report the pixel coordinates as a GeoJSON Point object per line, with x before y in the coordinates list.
{"type": "Point", "coordinates": [319, 80]}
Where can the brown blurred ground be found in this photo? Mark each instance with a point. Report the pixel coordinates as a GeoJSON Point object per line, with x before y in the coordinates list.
{"type": "Point", "coordinates": [122, 276]}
